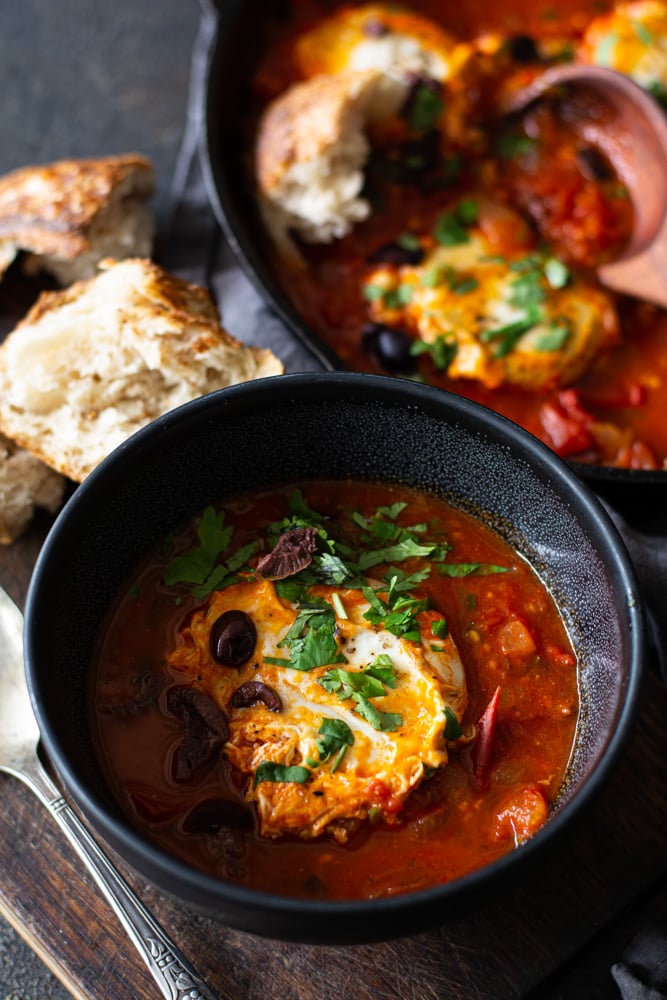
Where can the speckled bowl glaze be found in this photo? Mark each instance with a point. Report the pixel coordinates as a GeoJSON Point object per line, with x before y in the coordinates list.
{"type": "Point", "coordinates": [330, 425]}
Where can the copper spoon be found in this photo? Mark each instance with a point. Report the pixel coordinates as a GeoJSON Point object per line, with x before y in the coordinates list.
{"type": "Point", "coordinates": [633, 135]}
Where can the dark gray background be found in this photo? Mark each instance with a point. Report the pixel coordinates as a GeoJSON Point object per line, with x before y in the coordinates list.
{"type": "Point", "coordinates": [85, 78]}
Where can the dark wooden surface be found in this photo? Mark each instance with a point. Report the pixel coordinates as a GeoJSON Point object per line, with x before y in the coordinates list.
{"type": "Point", "coordinates": [83, 78]}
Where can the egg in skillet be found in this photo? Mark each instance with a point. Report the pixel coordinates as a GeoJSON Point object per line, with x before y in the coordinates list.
{"type": "Point", "coordinates": [346, 739]}
{"type": "Point", "coordinates": [496, 314]}
{"type": "Point", "coordinates": [632, 39]}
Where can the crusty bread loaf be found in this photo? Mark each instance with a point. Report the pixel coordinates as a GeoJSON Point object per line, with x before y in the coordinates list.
{"type": "Point", "coordinates": [311, 150]}
{"type": "Point", "coordinates": [69, 215]}
{"type": "Point", "coordinates": [93, 363]}
{"type": "Point", "coordinates": [25, 483]}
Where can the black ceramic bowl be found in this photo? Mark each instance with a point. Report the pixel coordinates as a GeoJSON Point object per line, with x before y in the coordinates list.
{"type": "Point", "coordinates": [224, 87]}
{"type": "Point", "coordinates": [329, 425]}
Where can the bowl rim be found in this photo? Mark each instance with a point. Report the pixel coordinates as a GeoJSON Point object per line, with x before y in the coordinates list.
{"type": "Point", "coordinates": [130, 843]}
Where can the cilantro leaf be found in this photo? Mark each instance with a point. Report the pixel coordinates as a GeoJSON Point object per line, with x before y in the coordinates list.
{"type": "Point", "coordinates": [405, 549]}
{"type": "Point", "coordinates": [334, 737]}
{"type": "Point", "coordinates": [383, 668]}
{"type": "Point", "coordinates": [268, 770]}
{"type": "Point", "coordinates": [196, 565]}
{"type": "Point", "coordinates": [449, 231]}
{"type": "Point", "coordinates": [384, 722]}
{"type": "Point", "coordinates": [346, 683]}
{"type": "Point", "coordinates": [442, 350]}
{"type": "Point", "coordinates": [424, 108]}
{"type": "Point", "coordinates": [467, 569]}
{"type": "Point", "coordinates": [439, 627]}
{"type": "Point", "coordinates": [452, 726]}
{"type": "Point", "coordinates": [310, 639]}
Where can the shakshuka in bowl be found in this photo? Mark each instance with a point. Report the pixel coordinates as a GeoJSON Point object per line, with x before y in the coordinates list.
{"type": "Point", "coordinates": [330, 656]}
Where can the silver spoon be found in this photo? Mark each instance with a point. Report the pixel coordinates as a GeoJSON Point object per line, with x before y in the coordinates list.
{"type": "Point", "coordinates": [19, 737]}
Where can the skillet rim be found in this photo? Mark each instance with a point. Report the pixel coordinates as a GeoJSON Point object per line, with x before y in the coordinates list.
{"type": "Point", "coordinates": [609, 481]}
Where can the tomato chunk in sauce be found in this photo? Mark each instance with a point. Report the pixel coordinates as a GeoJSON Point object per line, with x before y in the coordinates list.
{"type": "Point", "coordinates": [336, 690]}
{"type": "Point", "coordinates": [541, 188]}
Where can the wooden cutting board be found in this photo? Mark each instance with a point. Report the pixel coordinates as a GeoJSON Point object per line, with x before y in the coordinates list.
{"type": "Point", "coordinates": [504, 948]}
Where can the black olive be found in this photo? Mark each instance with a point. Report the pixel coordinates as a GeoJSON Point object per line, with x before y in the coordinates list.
{"type": "Point", "coordinates": [253, 692]}
{"type": "Point", "coordinates": [593, 164]}
{"type": "Point", "coordinates": [374, 28]}
{"type": "Point", "coordinates": [210, 815]}
{"type": "Point", "coordinates": [390, 347]}
{"type": "Point", "coordinates": [233, 638]}
{"type": "Point", "coordinates": [522, 49]}
{"type": "Point", "coordinates": [397, 253]}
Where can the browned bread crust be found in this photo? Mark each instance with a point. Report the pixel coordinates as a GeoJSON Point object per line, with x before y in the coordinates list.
{"type": "Point", "coordinates": [56, 210]}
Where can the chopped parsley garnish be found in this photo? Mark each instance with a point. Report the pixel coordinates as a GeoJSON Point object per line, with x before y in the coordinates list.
{"type": "Point", "coordinates": [451, 227]}
{"type": "Point", "coordinates": [392, 298]}
{"type": "Point", "coordinates": [642, 32]}
{"type": "Point", "coordinates": [442, 351]}
{"type": "Point", "coordinates": [453, 729]}
{"type": "Point", "coordinates": [508, 335]}
{"type": "Point", "coordinates": [311, 639]}
{"type": "Point", "coordinates": [201, 566]}
{"type": "Point", "coordinates": [555, 337]}
{"type": "Point", "coordinates": [268, 770]}
{"type": "Point", "coordinates": [467, 569]}
{"type": "Point", "coordinates": [439, 627]}
{"type": "Point", "coordinates": [397, 614]}
{"type": "Point", "coordinates": [424, 107]}
{"type": "Point", "coordinates": [360, 686]}
{"type": "Point", "coordinates": [556, 272]}
{"type": "Point", "coordinates": [510, 145]}
{"type": "Point", "coordinates": [527, 293]}
{"type": "Point", "coordinates": [334, 737]}
{"type": "Point", "coordinates": [605, 49]}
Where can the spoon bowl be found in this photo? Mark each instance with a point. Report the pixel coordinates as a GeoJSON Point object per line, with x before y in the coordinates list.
{"type": "Point", "coordinates": [628, 125]}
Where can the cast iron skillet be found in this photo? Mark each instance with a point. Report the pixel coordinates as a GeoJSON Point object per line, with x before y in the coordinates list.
{"type": "Point", "coordinates": [330, 425]}
{"type": "Point", "coordinates": [237, 31]}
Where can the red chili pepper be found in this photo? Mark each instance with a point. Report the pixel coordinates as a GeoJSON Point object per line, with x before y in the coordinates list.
{"type": "Point", "coordinates": [481, 753]}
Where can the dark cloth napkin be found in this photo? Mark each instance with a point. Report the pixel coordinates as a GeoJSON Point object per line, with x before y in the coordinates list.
{"type": "Point", "coordinates": [193, 247]}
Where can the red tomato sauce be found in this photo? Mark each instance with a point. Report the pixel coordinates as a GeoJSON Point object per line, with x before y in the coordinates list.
{"type": "Point", "coordinates": [494, 792]}
{"type": "Point", "coordinates": [613, 415]}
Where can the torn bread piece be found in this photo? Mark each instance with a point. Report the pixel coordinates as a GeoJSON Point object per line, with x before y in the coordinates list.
{"type": "Point", "coordinates": [91, 364]}
{"type": "Point", "coordinates": [25, 484]}
{"type": "Point", "coordinates": [311, 151]}
{"type": "Point", "coordinates": [69, 215]}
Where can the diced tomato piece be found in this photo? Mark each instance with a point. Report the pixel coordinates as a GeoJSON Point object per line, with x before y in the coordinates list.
{"type": "Point", "coordinates": [521, 815]}
{"type": "Point", "coordinates": [516, 639]}
{"type": "Point", "coordinates": [560, 656]}
{"type": "Point", "coordinates": [566, 423]}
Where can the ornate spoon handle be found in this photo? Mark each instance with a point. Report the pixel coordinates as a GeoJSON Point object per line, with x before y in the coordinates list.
{"type": "Point", "coordinates": [173, 974]}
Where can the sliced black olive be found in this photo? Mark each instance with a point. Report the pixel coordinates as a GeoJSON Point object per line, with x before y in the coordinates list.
{"type": "Point", "coordinates": [374, 28]}
{"type": "Point", "coordinates": [292, 552]}
{"type": "Point", "coordinates": [212, 815]}
{"type": "Point", "coordinates": [522, 49]}
{"type": "Point", "coordinates": [205, 726]}
{"type": "Point", "coordinates": [397, 253]}
{"type": "Point", "coordinates": [593, 164]}
{"type": "Point", "coordinates": [254, 692]}
{"type": "Point", "coordinates": [233, 638]}
{"type": "Point", "coordinates": [390, 347]}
